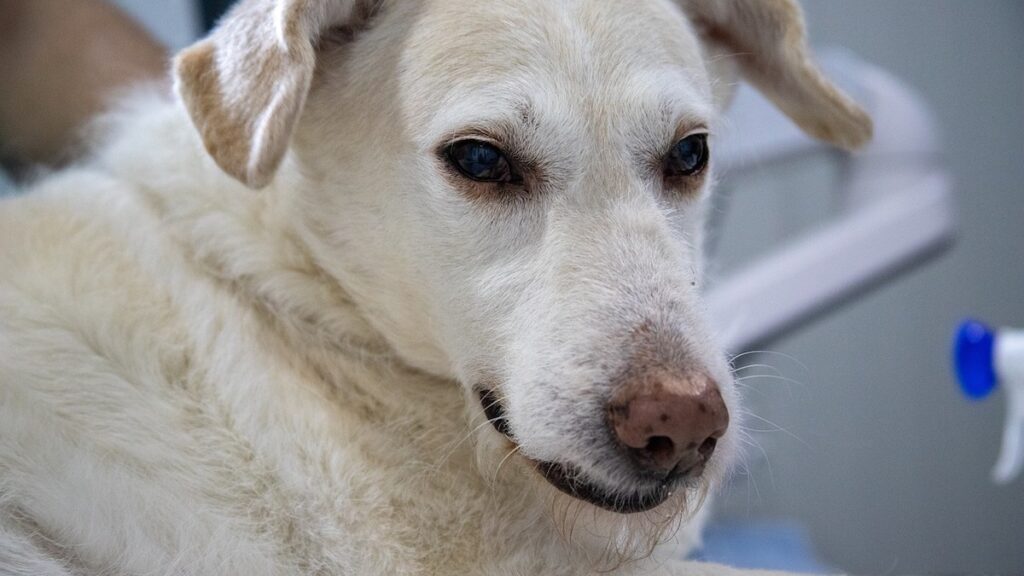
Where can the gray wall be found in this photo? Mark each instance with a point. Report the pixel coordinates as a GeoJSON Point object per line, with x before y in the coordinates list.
{"type": "Point", "coordinates": [174, 22]}
{"type": "Point", "coordinates": [872, 447]}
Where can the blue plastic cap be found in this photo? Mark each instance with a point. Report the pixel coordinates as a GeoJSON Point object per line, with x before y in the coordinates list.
{"type": "Point", "coordinates": [972, 358]}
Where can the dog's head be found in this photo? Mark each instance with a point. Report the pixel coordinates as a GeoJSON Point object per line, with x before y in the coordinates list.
{"type": "Point", "coordinates": [513, 193]}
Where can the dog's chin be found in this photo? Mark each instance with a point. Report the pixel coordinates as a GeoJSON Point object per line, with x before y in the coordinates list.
{"type": "Point", "coordinates": [573, 482]}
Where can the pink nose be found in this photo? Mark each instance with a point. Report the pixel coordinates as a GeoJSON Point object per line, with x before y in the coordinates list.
{"type": "Point", "coordinates": [669, 424]}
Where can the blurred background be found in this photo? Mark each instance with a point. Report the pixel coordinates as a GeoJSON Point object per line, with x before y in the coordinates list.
{"type": "Point", "coordinates": [865, 455]}
{"type": "Point", "coordinates": [873, 449]}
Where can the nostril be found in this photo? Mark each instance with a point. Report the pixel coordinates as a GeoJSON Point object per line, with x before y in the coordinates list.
{"type": "Point", "coordinates": [660, 448]}
{"type": "Point", "coordinates": [707, 448]}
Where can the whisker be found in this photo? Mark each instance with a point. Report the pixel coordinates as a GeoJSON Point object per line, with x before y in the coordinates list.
{"type": "Point", "coordinates": [771, 353]}
{"type": "Point", "coordinates": [778, 428]}
{"type": "Point", "coordinates": [449, 451]}
{"type": "Point", "coordinates": [750, 441]}
{"type": "Point", "coordinates": [503, 460]}
{"type": "Point", "coordinates": [751, 482]}
{"type": "Point", "coordinates": [751, 366]}
{"type": "Point", "coordinates": [769, 377]}
{"type": "Point", "coordinates": [741, 382]}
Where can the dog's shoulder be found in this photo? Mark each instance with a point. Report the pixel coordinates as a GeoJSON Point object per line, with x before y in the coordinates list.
{"type": "Point", "coordinates": [69, 263]}
{"type": "Point", "coordinates": [111, 443]}
{"type": "Point", "coordinates": [147, 406]}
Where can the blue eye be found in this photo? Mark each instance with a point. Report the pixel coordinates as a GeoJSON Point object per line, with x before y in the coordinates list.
{"type": "Point", "coordinates": [688, 157]}
{"type": "Point", "coordinates": [480, 161]}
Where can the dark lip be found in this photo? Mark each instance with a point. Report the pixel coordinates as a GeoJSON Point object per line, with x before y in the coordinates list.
{"type": "Point", "coordinates": [571, 481]}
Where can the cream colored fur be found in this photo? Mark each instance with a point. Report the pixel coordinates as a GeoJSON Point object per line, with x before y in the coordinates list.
{"type": "Point", "coordinates": [200, 378]}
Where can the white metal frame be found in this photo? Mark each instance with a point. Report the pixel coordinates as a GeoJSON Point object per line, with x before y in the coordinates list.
{"type": "Point", "coordinates": [898, 207]}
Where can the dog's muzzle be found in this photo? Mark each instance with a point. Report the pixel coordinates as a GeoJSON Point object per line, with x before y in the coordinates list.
{"type": "Point", "coordinates": [666, 433]}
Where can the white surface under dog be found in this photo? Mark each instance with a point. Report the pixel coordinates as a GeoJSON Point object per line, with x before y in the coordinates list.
{"type": "Point", "coordinates": [467, 212]}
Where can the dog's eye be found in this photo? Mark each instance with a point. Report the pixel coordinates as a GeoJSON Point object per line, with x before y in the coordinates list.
{"type": "Point", "coordinates": [480, 161]}
{"type": "Point", "coordinates": [688, 157]}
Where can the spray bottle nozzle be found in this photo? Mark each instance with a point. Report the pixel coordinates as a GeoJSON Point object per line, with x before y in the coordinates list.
{"type": "Point", "coordinates": [984, 359]}
{"type": "Point", "coordinates": [973, 358]}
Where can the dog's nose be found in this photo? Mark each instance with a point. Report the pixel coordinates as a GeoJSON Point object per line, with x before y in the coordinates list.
{"type": "Point", "coordinates": [669, 424]}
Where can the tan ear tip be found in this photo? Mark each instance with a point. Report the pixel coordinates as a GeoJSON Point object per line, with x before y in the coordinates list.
{"type": "Point", "coordinates": [191, 64]}
{"type": "Point", "coordinates": [198, 87]}
{"type": "Point", "coordinates": [850, 129]}
{"type": "Point", "coordinates": [860, 130]}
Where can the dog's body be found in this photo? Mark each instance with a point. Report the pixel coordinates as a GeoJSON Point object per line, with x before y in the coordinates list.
{"type": "Point", "coordinates": [192, 393]}
{"type": "Point", "coordinates": [196, 378]}
{"type": "Point", "coordinates": [185, 391]}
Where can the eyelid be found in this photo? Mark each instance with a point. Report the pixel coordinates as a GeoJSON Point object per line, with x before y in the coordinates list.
{"type": "Point", "coordinates": [692, 131]}
{"type": "Point", "coordinates": [480, 135]}
{"type": "Point", "coordinates": [472, 138]}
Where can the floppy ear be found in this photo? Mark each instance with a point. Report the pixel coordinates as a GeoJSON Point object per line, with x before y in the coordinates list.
{"type": "Point", "coordinates": [768, 40]}
{"type": "Point", "coordinates": [245, 84]}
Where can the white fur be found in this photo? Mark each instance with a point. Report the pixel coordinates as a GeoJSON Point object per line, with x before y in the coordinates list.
{"type": "Point", "coordinates": [196, 378]}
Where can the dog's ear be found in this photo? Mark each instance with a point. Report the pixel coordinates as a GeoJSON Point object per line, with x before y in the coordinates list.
{"type": "Point", "coordinates": [245, 84]}
{"type": "Point", "coordinates": [767, 38]}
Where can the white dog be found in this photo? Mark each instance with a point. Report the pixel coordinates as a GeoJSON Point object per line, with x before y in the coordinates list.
{"type": "Point", "coordinates": [470, 212]}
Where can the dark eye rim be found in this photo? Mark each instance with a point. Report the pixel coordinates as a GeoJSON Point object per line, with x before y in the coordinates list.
{"type": "Point", "coordinates": [512, 176]}
{"type": "Point", "coordinates": [699, 169]}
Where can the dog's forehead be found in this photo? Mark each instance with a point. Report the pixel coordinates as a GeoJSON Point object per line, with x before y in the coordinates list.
{"type": "Point", "coordinates": [597, 52]}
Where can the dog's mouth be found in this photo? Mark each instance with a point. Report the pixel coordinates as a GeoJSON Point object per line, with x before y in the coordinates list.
{"type": "Point", "coordinates": [570, 480]}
